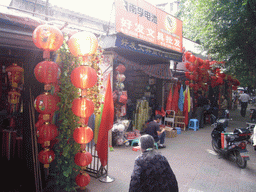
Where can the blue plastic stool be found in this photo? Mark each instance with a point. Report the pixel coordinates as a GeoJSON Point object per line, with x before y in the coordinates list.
{"type": "Point", "coordinates": [134, 141]}
{"type": "Point", "coordinates": [193, 124]}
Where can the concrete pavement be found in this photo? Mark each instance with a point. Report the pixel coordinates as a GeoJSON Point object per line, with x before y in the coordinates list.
{"type": "Point", "coordinates": [195, 164]}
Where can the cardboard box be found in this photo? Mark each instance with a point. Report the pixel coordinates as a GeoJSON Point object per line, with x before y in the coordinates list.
{"type": "Point", "coordinates": [170, 132]}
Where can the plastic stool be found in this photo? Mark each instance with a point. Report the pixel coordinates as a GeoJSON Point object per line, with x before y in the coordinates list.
{"type": "Point", "coordinates": [134, 141]}
{"type": "Point", "coordinates": [193, 124]}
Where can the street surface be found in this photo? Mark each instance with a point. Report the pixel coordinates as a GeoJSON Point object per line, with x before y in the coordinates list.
{"type": "Point", "coordinates": [195, 164]}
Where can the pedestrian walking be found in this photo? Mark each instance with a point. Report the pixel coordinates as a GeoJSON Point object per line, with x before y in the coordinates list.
{"type": "Point", "coordinates": [152, 172]}
{"type": "Point", "coordinates": [244, 99]}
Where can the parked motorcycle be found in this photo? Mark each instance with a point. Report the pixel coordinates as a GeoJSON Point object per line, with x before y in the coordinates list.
{"type": "Point", "coordinates": [231, 145]}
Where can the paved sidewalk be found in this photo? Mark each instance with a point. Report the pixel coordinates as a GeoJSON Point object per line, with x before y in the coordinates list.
{"type": "Point", "coordinates": [196, 166]}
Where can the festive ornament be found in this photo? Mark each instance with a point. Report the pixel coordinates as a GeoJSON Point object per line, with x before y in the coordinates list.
{"type": "Point", "coordinates": [45, 103]}
{"type": "Point", "coordinates": [47, 37]}
{"type": "Point", "coordinates": [120, 77]}
{"type": "Point", "coordinates": [83, 135]}
{"type": "Point", "coordinates": [83, 77]}
{"type": "Point", "coordinates": [83, 159]}
{"type": "Point", "coordinates": [120, 68]}
{"type": "Point", "coordinates": [83, 44]}
{"type": "Point", "coordinates": [46, 133]}
{"type": "Point", "coordinates": [186, 82]}
{"type": "Point", "coordinates": [15, 75]}
{"type": "Point", "coordinates": [82, 107]}
{"type": "Point", "coordinates": [46, 156]}
{"type": "Point", "coordinates": [47, 72]}
{"type": "Point", "coordinates": [83, 179]}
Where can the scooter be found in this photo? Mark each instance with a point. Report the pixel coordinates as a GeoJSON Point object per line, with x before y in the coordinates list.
{"type": "Point", "coordinates": [231, 145]}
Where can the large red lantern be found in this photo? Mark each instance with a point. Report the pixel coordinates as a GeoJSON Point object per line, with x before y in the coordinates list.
{"type": "Point", "coordinates": [83, 44]}
{"type": "Point", "coordinates": [82, 107]}
{"type": "Point", "coordinates": [48, 38]}
{"type": "Point", "coordinates": [15, 75]}
{"type": "Point", "coordinates": [83, 159]}
{"type": "Point", "coordinates": [83, 77]}
{"type": "Point", "coordinates": [46, 156]}
{"type": "Point", "coordinates": [46, 133]}
{"type": "Point", "coordinates": [47, 72]}
{"type": "Point", "coordinates": [83, 179]}
{"type": "Point", "coordinates": [83, 135]}
{"type": "Point", "coordinates": [45, 103]}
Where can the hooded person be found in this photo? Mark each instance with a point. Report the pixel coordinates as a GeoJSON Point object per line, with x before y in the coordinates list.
{"type": "Point", "coordinates": [152, 172]}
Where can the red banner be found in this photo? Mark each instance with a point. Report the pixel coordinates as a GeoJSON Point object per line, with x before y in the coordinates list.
{"type": "Point", "coordinates": [140, 19]}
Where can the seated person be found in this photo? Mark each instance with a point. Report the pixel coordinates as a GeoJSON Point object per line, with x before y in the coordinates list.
{"type": "Point", "coordinates": [152, 172]}
{"type": "Point", "coordinates": [155, 131]}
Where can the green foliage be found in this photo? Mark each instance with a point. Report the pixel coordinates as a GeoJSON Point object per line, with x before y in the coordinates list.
{"type": "Point", "coordinates": [66, 148]}
{"type": "Point", "coordinates": [227, 30]}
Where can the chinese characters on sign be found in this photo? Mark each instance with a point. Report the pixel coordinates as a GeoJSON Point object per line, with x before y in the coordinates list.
{"type": "Point", "coordinates": [139, 19]}
{"type": "Point", "coordinates": [130, 44]}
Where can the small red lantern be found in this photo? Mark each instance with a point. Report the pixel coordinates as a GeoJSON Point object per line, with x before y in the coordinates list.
{"type": "Point", "coordinates": [45, 103]}
{"type": "Point", "coordinates": [46, 133]}
{"type": "Point", "coordinates": [83, 179]}
{"type": "Point", "coordinates": [47, 72]}
{"type": "Point", "coordinates": [83, 77]}
{"type": "Point", "coordinates": [82, 44]}
{"type": "Point", "coordinates": [83, 159]}
{"type": "Point", "coordinates": [82, 107]}
{"type": "Point", "coordinates": [83, 135]}
{"type": "Point", "coordinates": [120, 68]}
{"type": "Point", "coordinates": [47, 37]}
{"type": "Point", "coordinates": [187, 82]}
{"type": "Point", "coordinates": [15, 75]}
{"type": "Point", "coordinates": [46, 156]}
{"type": "Point", "coordinates": [120, 77]}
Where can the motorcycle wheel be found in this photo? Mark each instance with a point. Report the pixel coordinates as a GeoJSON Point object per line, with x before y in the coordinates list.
{"type": "Point", "coordinates": [215, 146]}
{"type": "Point", "coordinates": [240, 161]}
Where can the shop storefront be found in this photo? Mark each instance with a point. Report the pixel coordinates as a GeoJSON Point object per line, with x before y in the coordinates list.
{"type": "Point", "coordinates": [145, 42]}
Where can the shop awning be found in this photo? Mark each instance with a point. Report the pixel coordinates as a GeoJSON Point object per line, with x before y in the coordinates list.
{"type": "Point", "coordinates": [161, 71]}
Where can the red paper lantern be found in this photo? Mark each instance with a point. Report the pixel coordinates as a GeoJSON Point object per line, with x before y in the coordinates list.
{"type": "Point", "coordinates": [45, 103]}
{"type": "Point", "coordinates": [186, 82]}
{"type": "Point", "coordinates": [46, 156]}
{"type": "Point", "coordinates": [15, 75]}
{"type": "Point", "coordinates": [120, 68]}
{"type": "Point", "coordinates": [83, 159]}
{"type": "Point", "coordinates": [82, 44]}
{"type": "Point", "coordinates": [83, 179]}
{"type": "Point", "coordinates": [47, 72]}
{"type": "Point", "coordinates": [48, 38]}
{"type": "Point", "coordinates": [83, 77]}
{"type": "Point", "coordinates": [83, 135]}
{"type": "Point", "coordinates": [82, 107]}
{"type": "Point", "coordinates": [46, 133]}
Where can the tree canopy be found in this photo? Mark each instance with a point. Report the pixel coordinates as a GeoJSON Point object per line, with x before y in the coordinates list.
{"type": "Point", "coordinates": [227, 30]}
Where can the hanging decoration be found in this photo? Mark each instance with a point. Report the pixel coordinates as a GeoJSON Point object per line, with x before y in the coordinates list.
{"type": "Point", "coordinates": [119, 95]}
{"type": "Point", "coordinates": [48, 38]}
{"type": "Point", "coordinates": [83, 45]}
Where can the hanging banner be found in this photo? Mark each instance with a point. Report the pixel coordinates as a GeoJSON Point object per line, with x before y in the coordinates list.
{"type": "Point", "coordinates": [140, 19]}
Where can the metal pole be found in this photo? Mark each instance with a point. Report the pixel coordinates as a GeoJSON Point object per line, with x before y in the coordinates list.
{"type": "Point", "coordinates": [106, 178]}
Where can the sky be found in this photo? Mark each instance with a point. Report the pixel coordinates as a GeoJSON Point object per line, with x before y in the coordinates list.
{"type": "Point", "coordinates": [100, 9]}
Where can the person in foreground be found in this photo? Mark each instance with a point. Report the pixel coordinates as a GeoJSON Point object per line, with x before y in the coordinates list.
{"type": "Point", "coordinates": [156, 132]}
{"type": "Point", "coordinates": [152, 171]}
